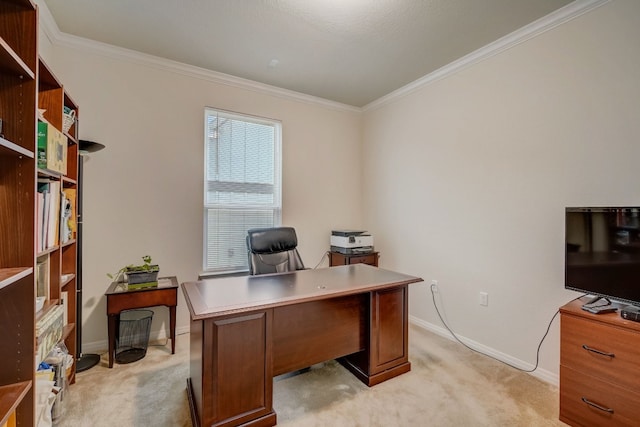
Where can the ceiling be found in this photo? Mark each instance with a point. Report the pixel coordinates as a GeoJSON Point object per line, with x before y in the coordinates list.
{"type": "Point", "coordinates": [348, 51]}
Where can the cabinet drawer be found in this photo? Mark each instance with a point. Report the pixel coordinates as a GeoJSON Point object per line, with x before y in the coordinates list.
{"type": "Point", "coordinates": [579, 388]}
{"type": "Point", "coordinates": [336, 258]}
{"type": "Point", "coordinates": [608, 353]}
{"type": "Point", "coordinates": [363, 259]}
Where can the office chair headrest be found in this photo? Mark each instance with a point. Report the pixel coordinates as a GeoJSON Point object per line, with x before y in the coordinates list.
{"type": "Point", "coordinates": [271, 240]}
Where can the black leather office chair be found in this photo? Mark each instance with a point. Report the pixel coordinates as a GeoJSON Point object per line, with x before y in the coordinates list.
{"type": "Point", "coordinates": [273, 250]}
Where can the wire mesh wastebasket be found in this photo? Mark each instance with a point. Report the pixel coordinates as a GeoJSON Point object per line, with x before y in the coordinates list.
{"type": "Point", "coordinates": [133, 335]}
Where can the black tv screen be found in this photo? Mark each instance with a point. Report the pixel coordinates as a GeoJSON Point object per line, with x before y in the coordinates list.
{"type": "Point", "coordinates": [602, 252]}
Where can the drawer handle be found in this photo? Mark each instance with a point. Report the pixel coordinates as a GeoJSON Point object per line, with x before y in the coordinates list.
{"type": "Point", "coordinates": [595, 405]}
{"type": "Point", "coordinates": [593, 350]}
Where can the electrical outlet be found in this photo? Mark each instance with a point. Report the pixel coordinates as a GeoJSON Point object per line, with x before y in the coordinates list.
{"type": "Point", "coordinates": [434, 285]}
{"type": "Point", "coordinates": [483, 299]}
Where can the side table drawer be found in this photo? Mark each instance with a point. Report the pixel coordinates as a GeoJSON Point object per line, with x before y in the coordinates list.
{"type": "Point", "coordinates": [336, 258]}
{"type": "Point", "coordinates": [363, 259]}
{"type": "Point", "coordinates": [608, 353]}
{"type": "Point", "coordinates": [588, 401]}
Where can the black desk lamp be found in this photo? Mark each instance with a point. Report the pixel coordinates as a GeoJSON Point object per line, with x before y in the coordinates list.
{"type": "Point", "coordinates": [83, 361]}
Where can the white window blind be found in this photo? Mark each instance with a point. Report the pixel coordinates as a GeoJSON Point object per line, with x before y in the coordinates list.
{"type": "Point", "coordinates": [242, 185]}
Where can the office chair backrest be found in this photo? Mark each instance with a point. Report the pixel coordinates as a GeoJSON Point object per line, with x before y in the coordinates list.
{"type": "Point", "coordinates": [273, 250]}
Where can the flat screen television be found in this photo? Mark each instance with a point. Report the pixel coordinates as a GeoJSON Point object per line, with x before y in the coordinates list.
{"type": "Point", "coordinates": [602, 252]}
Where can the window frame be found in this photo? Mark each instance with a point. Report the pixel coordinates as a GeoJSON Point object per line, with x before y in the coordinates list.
{"type": "Point", "coordinates": [275, 207]}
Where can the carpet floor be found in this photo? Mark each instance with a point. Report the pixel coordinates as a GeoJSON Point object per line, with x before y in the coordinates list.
{"type": "Point", "coordinates": [448, 385]}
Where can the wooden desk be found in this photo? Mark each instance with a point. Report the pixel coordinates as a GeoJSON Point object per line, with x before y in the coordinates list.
{"type": "Point", "coordinates": [246, 330]}
{"type": "Point", "coordinates": [119, 298]}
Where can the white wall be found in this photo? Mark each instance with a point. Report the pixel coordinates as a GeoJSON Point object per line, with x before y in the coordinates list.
{"type": "Point", "coordinates": [465, 180]}
{"type": "Point", "coordinates": [468, 177]}
{"type": "Point", "coordinates": [144, 192]}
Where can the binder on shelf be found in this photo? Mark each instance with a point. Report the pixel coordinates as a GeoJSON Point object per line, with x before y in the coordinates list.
{"type": "Point", "coordinates": [40, 207]}
{"type": "Point", "coordinates": [42, 277]}
{"type": "Point", "coordinates": [64, 297]}
{"type": "Point", "coordinates": [54, 215]}
{"type": "Point", "coordinates": [52, 148]}
{"type": "Point", "coordinates": [44, 199]}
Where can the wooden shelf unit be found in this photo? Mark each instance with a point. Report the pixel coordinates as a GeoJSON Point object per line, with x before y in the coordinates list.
{"type": "Point", "coordinates": [63, 256]}
{"type": "Point", "coordinates": [599, 368]}
{"type": "Point", "coordinates": [27, 84]}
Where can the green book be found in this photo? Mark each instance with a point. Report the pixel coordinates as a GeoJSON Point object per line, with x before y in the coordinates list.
{"type": "Point", "coordinates": [42, 144]}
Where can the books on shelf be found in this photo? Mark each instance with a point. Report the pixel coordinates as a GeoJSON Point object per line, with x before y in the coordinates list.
{"type": "Point", "coordinates": [52, 148]}
{"type": "Point", "coordinates": [68, 215]}
{"type": "Point", "coordinates": [40, 208]}
{"type": "Point", "coordinates": [42, 277]}
{"type": "Point", "coordinates": [49, 331]}
{"type": "Point", "coordinates": [48, 216]}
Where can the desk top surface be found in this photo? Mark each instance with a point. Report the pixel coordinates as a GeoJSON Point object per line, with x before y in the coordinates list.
{"type": "Point", "coordinates": [122, 288]}
{"type": "Point", "coordinates": [233, 295]}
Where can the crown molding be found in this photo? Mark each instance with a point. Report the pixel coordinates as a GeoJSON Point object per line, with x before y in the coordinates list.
{"type": "Point", "coordinates": [59, 38]}
{"type": "Point", "coordinates": [542, 25]}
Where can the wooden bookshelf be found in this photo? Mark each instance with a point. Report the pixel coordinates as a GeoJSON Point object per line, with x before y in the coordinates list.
{"type": "Point", "coordinates": [18, 59]}
{"type": "Point", "coordinates": [27, 84]}
{"type": "Point", "coordinates": [62, 256]}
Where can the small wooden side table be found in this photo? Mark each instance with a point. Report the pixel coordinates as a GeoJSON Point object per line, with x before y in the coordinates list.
{"type": "Point", "coordinates": [336, 258]}
{"type": "Point", "coordinates": [120, 298]}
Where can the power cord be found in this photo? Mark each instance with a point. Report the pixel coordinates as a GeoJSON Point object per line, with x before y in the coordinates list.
{"type": "Point", "coordinates": [321, 259]}
{"type": "Point", "coordinates": [433, 297]}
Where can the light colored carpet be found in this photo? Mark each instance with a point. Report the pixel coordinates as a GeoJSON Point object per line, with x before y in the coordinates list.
{"type": "Point", "coordinates": [448, 385]}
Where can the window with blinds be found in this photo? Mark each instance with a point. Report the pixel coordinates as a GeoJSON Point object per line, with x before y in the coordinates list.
{"type": "Point", "coordinates": [242, 185]}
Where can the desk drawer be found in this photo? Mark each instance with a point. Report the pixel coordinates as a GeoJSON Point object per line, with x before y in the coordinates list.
{"type": "Point", "coordinates": [608, 353]}
{"type": "Point", "coordinates": [579, 388]}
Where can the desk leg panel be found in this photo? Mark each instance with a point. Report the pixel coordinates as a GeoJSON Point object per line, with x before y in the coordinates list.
{"type": "Point", "coordinates": [237, 371]}
{"type": "Point", "coordinates": [194, 383]}
{"type": "Point", "coordinates": [386, 355]}
{"type": "Point", "coordinates": [389, 338]}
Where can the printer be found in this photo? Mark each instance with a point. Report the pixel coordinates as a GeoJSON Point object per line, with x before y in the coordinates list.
{"type": "Point", "coordinates": [351, 242]}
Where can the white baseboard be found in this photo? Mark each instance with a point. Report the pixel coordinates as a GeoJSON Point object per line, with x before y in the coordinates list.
{"type": "Point", "coordinates": [102, 346]}
{"type": "Point", "coordinates": [544, 375]}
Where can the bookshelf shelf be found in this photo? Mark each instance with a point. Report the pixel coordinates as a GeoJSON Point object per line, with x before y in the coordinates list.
{"type": "Point", "coordinates": [69, 243]}
{"type": "Point", "coordinates": [8, 148]}
{"type": "Point", "coordinates": [11, 275]}
{"type": "Point", "coordinates": [11, 61]}
{"type": "Point", "coordinates": [68, 330]}
{"type": "Point", "coordinates": [10, 395]}
{"type": "Point", "coordinates": [48, 251]}
{"type": "Point", "coordinates": [67, 279]}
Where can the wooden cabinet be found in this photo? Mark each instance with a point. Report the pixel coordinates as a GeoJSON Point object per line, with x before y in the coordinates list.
{"type": "Point", "coordinates": [599, 368]}
{"type": "Point", "coordinates": [336, 258]}
{"type": "Point", "coordinates": [25, 86]}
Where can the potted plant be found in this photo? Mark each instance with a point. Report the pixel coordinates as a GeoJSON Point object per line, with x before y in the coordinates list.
{"type": "Point", "coordinates": [137, 274]}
